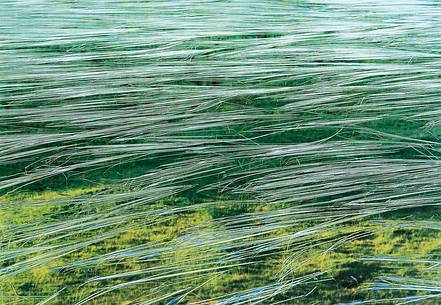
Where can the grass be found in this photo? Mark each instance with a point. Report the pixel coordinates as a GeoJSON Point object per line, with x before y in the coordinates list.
{"type": "Point", "coordinates": [219, 152]}
{"type": "Point", "coordinates": [337, 255]}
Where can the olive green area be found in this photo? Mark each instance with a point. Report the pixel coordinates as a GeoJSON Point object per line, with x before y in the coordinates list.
{"type": "Point", "coordinates": [348, 270]}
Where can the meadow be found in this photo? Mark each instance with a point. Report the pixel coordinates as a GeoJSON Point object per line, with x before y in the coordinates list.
{"type": "Point", "coordinates": [220, 152]}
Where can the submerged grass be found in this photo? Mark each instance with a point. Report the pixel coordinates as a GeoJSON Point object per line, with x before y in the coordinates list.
{"type": "Point", "coordinates": [216, 152]}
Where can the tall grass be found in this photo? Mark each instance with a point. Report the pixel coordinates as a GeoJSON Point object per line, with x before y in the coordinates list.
{"type": "Point", "coordinates": [294, 120]}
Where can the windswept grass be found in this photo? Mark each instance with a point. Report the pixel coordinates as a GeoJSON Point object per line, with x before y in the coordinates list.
{"type": "Point", "coordinates": [222, 148]}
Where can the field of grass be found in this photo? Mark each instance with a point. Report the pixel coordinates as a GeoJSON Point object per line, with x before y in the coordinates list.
{"type": "Point", "coordinates": [220, 152]}
{"type": "Point", "coordinates": [345, 260]}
